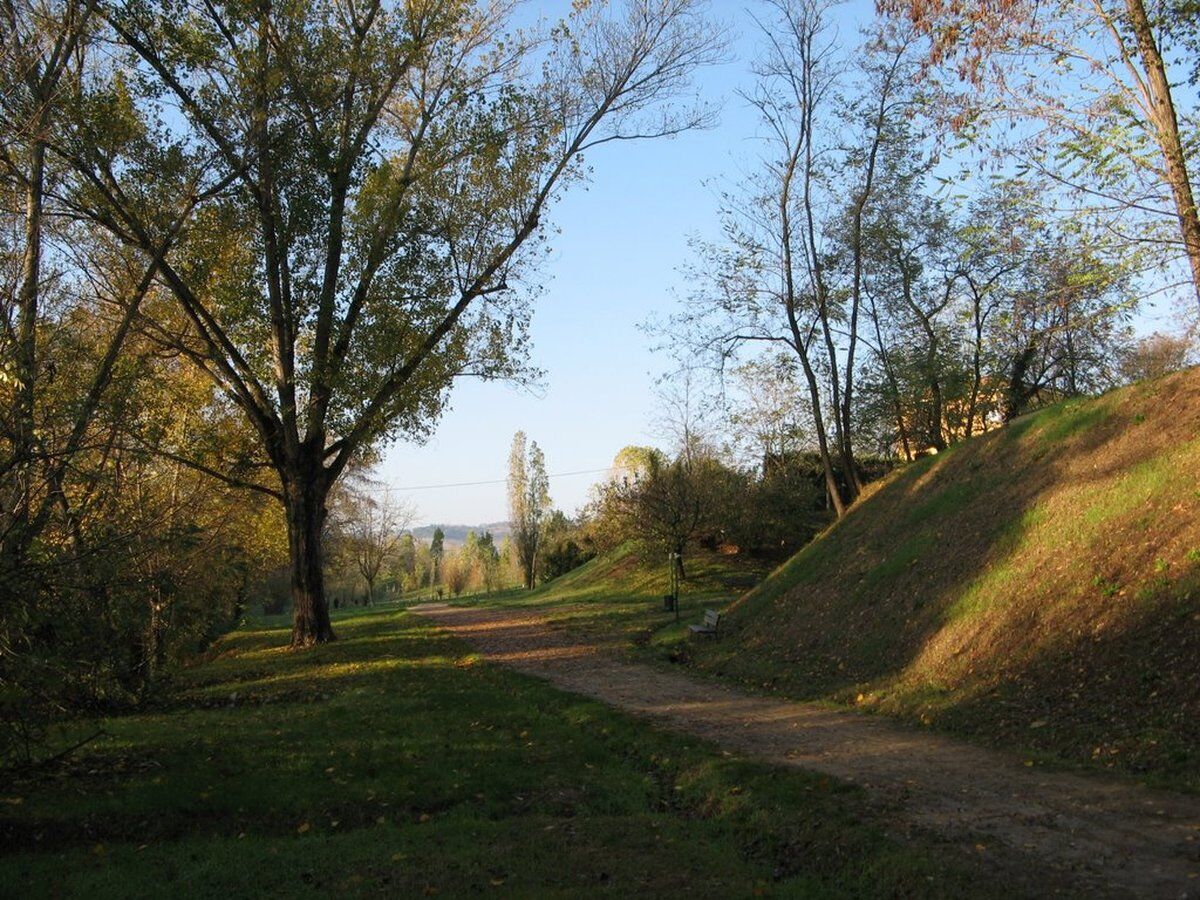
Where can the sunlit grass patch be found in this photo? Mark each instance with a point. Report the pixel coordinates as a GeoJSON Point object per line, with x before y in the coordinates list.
{"type": "Point", "coordinates": [1069, 418]}
{"type": "Point", "coordinates": [1043, 572]}
{"type": "Point", "coordinates": [405, 767]}
{"type": "Point", "coordinates": [949, 499]}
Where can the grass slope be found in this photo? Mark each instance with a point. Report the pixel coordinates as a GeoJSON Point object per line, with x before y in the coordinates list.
{"type": "Point", "coordinates": [393, 763]}
{"type": "Point", "coordinates": [616, 599]}
{"type": "Point", "coordinates": [1037, 587]}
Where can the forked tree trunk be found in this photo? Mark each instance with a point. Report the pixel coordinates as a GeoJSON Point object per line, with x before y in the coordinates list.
{"type": "Point", "coordinates": [305, 508]}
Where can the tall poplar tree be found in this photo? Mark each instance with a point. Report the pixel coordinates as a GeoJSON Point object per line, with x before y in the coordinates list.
{"type": "Point", "coordinates": [528, 503]}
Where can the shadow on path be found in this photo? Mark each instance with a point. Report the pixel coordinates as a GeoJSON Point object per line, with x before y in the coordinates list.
{"type": "Point", "coordinates": [1108, 835]}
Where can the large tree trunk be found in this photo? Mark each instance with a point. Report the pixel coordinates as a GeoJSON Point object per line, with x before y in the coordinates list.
{"type": "Point", "coordinates": [304, 504]}
{"type": "Point", "coordinates": [937, 414]}
{"type": "Point", "coordinates": [1017, 393]}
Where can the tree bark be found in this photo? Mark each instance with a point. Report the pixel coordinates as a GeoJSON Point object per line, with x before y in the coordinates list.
{"type": "Point", "coordinates": [531, 573]}
{"type": "Point", "coordinates": [1018, 393]}
{"type": "Point", "coordinates": [832, 487]}
{"type": "Point", "coordinates": [893, 385]}
{"type": "Point", "coordinates": [26, 344]}
{"type": "Point", "coordinates": [1166, 131]}
{"type": "Point", "coordinates": [976, 361]}
{"type": "Point", "coordinates": [304, 503]}
{"type": "Point", "coordinates": [937, 414]}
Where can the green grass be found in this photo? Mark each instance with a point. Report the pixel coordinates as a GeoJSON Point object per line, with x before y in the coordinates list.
{"type": "Point", "coordinates": [617, 600]}
{"type": "Point", "coordinates": [1041, 574]}
{"type": "Point", "coordinates": [394, 763]}
{"type": "Point", "coordinates": [1047, 572]}
{"type": "Point", "coordinates": [1069, 418]}
{"type": "Point", "coordinates": [946, 502]}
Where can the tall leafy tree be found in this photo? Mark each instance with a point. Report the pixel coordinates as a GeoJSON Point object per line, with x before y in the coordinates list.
{"type": "Point", "coordinates": [343, 200]}
{"type": "Point", "coordinates": [789, 270]}
{"type": "Point", "coordinates": [528, 504]}
{"type": "Point", "coordinates": [1110, 115]}
{"type": "Point", "coordinates": [55, 277]}
{"type": "Point", "coordinates": [437, 553]}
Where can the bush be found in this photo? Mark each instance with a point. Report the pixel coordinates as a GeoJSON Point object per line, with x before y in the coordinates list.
{"type": "Point", "coordinates": [563, 555]}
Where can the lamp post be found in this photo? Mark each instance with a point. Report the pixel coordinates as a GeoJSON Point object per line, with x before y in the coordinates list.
{"type": "Point", "coordinates": [674, 569]}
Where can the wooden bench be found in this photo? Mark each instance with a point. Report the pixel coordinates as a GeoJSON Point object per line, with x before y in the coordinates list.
{"type": "Point", "coordinates": [712, 619]}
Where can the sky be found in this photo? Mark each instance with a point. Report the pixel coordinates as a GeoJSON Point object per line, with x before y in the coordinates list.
{"type": "Point", "coordinates": [616, 263]}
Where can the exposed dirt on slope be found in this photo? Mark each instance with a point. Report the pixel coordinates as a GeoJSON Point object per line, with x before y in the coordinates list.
{"type": "Point", "coordinates": [1096, 835]}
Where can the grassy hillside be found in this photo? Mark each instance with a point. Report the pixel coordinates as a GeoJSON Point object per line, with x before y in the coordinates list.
{"type": "Point", "coordinates": [394, 764]}
{"type": "Point", "coordinates": [616, 599]}
{"type": "Point", "coordinates": [1038, 587]}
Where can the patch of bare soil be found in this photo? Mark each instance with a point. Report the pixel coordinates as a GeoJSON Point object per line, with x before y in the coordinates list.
{"type": "Point", "coordinates": [1098, 835]}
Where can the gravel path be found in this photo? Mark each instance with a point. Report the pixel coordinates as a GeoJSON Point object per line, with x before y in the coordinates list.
{"type": "Point", "coordinates": [1096, 834]}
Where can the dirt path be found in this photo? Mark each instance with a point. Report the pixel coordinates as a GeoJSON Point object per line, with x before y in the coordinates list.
{"type": "Point", "coordinates": [1105, 835]}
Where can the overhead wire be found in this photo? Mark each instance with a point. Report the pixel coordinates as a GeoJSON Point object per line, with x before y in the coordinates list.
{"type": "Point", "coordinates": [456, 484]}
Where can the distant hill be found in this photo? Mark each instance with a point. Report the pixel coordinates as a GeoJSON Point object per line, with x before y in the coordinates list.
{"type": "Point", "coordinates": [457, 534]}
{"type": "Point", "coordinates": [1038, 586]}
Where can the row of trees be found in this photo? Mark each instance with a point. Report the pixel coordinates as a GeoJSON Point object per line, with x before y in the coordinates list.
{"type": "Point", "coordinates": [365, 563]}
{"type": "Point", "coordinates": [403, 564]}
{"type": "Point", "coordinates": [244, 245]}
{"type": "Point", "coordinates": [255, 241]}
{"type": "Point", "coordinates": [370, 549]}
{"type": "Point", "coordinates": [896, 303]}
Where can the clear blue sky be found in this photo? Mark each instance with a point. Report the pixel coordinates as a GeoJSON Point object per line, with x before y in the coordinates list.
{"type": "Point", "coordinates": [615, 264]}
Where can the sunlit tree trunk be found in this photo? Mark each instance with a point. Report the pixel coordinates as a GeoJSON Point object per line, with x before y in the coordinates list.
{"type": "Point", "coordinates": [1166, 131]}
